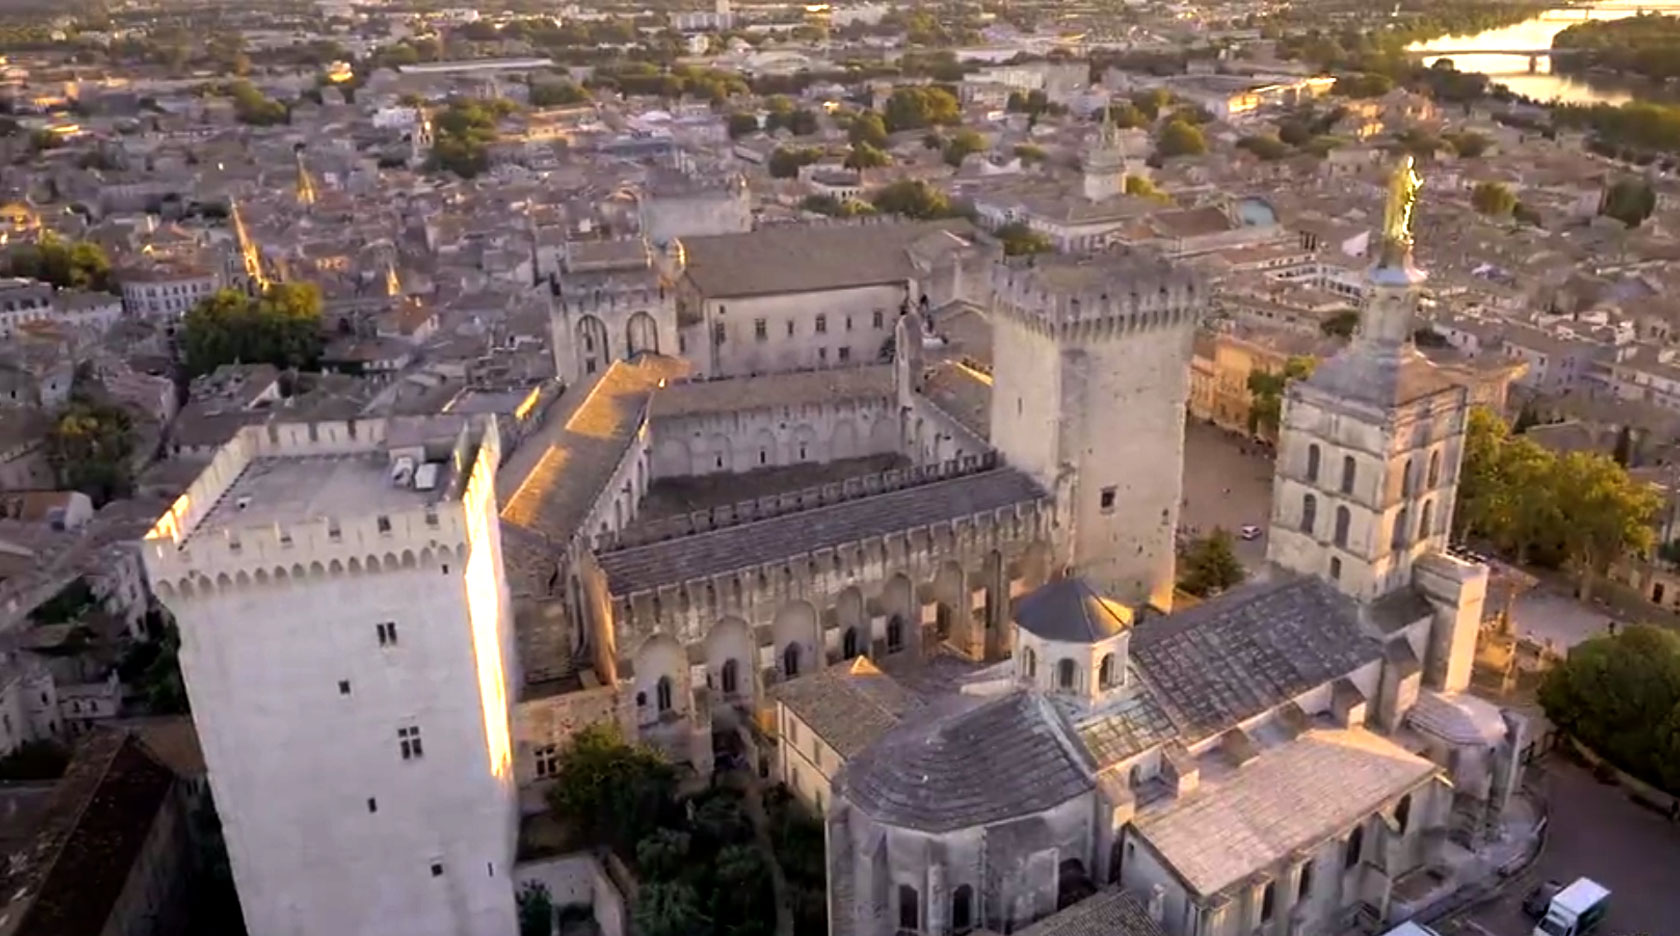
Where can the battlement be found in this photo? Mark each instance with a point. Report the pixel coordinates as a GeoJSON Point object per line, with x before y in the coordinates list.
{"type": "Point", "coordinates": [764, 508]}
{"type": "Point", "coordinates": [1098, 296]}
{"type": "Point", "coordinates": [280, 500]}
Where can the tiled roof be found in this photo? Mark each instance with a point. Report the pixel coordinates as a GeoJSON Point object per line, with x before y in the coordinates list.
{"type": "Point", "coordinates": [974, 763]}
{"type": "Point", "coordinates": [1134, 724]}
{"type": "Point", "coordinates": [753, 544]}
{"type": "Point", "coordinates": [807, 258]}
{"type": "Point", "coordinates": [1109, 913]}
{"type": "Point", "coordinates": [1289, 798]}
{"type": "Point", "coordinates": [1248, 650]}
{"type": "Point", "coordinates": [848, 706]}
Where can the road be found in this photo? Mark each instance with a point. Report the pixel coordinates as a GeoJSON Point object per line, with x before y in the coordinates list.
{"type": "Point", "coordinates": [1594, 831]}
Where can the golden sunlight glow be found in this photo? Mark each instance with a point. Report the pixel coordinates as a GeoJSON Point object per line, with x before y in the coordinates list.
{"type": "Point", "coordinates": [484, 612]}
{"type": "Point", "coordinates": [976, 373]}
{"type": "Point", "coordinates": [528, 404]}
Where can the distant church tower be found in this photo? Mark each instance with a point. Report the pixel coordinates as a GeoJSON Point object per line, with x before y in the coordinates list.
{"type": "Point", "coordinates": [1091, 376]}
{"type": "Point", "coordinates": [305, 182]}
{"type": "Point", "coordinates": [1105, 163]}
{"type": "Point", "coordinates": [1370, 444]}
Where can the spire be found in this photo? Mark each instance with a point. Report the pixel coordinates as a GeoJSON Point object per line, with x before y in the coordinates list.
{"type": "Point", "coordinates": [247, 250]}
{"type": "Point", "coordinates": [305, 182]}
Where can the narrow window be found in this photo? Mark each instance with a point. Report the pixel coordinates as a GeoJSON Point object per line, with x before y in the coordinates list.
{"type": "Point", "coordinates": [1335, 569]}
{"type": "Point", "coordinates": [1108, 500]}
{"type": "Point", "coordinates": [909, 908]}
{"type": "Point", "coordinates": [849, 643]}
{"type": "Point", "coordinates": [1029, 662]}
{"type": "Point", "coordinates": [1105, 671]}
{"type": "Point", "coordinates": [1402, 532]}
{"type": "Point", "coordinates": [790, 328]}
{"type": "Point", "coordinates": [409, 739]}
{"type": "Point", "coordinates": [1355, 844]}
{"type": "Point", "coordinates": [662, 694]}
{"type": "Point", "coordinates": [879, 319]}
{"type": "Point", "coordinates": [822, 324]}
{"type": "Point", "coordinates": [1309, 513]}
{"type": "Point", "coordinates": [790, 661]}
{"type": "Point", "coordinates": [1403, 813]}
{"type": "Point", "coordinates": [1343, 519]}
{"type": "Point", "coordinates": [1066, 674]}
{"type": "Point", "coordinates": [761, 330]}
{"type": "Point", "coordinates": [1304, 890]}
{"type": "Point", "coordinates": [895, 634]}
{"type": "Point", "coordinates": [383, 523]}
{"type": "Point", "coordinates": [1349, 469]}
{"type": "Point", "coordinates": [1312, 463]}
{"type": "Point", "coordinates": [1434, 468]}
{"type": "Point", "coordinates": [1406, 480]}
{"type": "Point", "coordinates": [1268, 898]}
{"type": "Point", "coordinates": [845, 355]}
{"type": "Point", "coordinates": [387, 633]}
{"type": "Point", "coordinates": [373, 805]}
{"type": "Point", "coordinates": [731, 677]}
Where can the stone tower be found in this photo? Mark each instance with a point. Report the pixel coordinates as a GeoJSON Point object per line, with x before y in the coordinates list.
{"type": "Point", "coordinates": [1091, 364]}
{"type": "Point", "coordinates": [1105, 163]}
{"type": "Point", "coordinates": [1370, 444]}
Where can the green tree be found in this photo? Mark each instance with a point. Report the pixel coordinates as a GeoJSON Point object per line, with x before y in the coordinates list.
{"type": "Point", "coordinates": [1179, 138]}
{"type": "Point", "coordinates": [1125, 115]}
{"type": "Point", "coordinates": [1141, 187]}
{"type": "Point", "coordinates": [1493, 199]}
{"type": "Point", "coordinates": [1340, 325]}
{"type": "Point", "coordinates": [1620, 696]}
{"type": "Point", "coordinates": [912, 108]}
{"type": "Point", "coordinates": [282, 327]}
{"type": "Point", "coordinates": [864, 156]}
{"type": "Point", "coordinates": [663, 855]}
{"type": "Point", "coordinates": [742, 124]}
{"type": "Point", "coordinates": [834, 207]}
{"type": "Point", "coordinates": [611, 792]}
{"type": "Point", "coordinates": [961, 144]}
{"type": "Point", "coordinates": [536, 909]}
{"type": "Point", "coordinates": [1629, 201]}
{"type": "Point", "coordinates": [913, 198]}
{"type": "Point", "coordinates": [786, 161]}
{"type": "Point", "coordinates": [1265, 394]}
{"type": "Point", "coordinates": [1019, 240]}
{"type": "Point", "coordinates": [557, 94]}
{"type": "Point", "coordinates": [1150, 102]}
{"type": "Point", "coordinates": [1030, 153]}
{"type": "Point", "coordinates": [253, 107]}
{"type": "Point", "coordinates": [1467, 144]}
{"type": "Point", "coordinates": [1362, 85]}
{"type": "Point", "coordinates": [803, 122]}
{"type": "Point", "coordinates": [669, 909]}
{"type": "Point", "coordinates": [65, 264]}
{"type": "Point", "coordinates": [1265, 146]}
{"type": "Point", "coordinates": [91, 449]}
{"type": "Point", "coordinates": [1211, 566]}
{"type": "Point", "coordinates": [1605, 514]}
{"type": "Point", "coordinates": [868, 128]}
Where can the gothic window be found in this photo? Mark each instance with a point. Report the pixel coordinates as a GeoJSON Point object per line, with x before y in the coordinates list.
{"type": "Point", "coordinates": [1355, 843]}
{"type": "Point", "coordinates": [895, 634]}
{"type": "Point", "coordinates": [1029, 663]}
{"type": "Point", "coordinates": [1309, 512]}
{"type": "Point", "coordinates": [1348, 471]}
{"type": "Point", "coordinates": [731, 677]}
{"type": "Point", "coordinates": [1105, 671]}
{"type": "Point", "coordinates": [1343, 519]}
{"type": "Point", "coordinates": [790, 661]}
{"type": "Point", "coordinates": [1406, 480]}
{"type": "Point", "coordinates": [1403, 813]}
{"type": "Point", "coordinates": [1434, 468]}
{"type": "Point", "coordinates": [962, 910]}
{"type": "Point", "coordinates": [1066, 674]}
{"type": "Point", "coordinates": [1401, 533]}
{"type": "Point", "coordinates": [1268, 901]}
{"type": "Point", "coordinates": [1312, 463]}
{"type": "Point", "coordinates": [909, 909]}
{"type": "Point", "coordinates": [1426, 518]}
{"type": "Point", "coordinates": [662, 694]}
{"type": "Point", "coordinates": [849, 643]}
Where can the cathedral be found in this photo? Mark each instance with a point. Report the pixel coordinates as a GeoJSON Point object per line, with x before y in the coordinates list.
{"type": "Point", "coordinates": [972, 667]}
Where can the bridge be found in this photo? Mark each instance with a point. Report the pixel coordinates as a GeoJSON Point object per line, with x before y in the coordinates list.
{"type": "Point", "coordinates": [1533, 55]}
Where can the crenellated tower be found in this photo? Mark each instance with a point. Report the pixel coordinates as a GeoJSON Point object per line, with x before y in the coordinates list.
{"type": "Point", "coordinates": [1091, 365]}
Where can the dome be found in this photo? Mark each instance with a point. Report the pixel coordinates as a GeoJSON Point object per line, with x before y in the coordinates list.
{"type": "Point", "coordinates": [1070, 611]}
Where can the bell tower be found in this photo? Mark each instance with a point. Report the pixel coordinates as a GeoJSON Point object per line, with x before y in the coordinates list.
{"type": "Point", "coordinates": [1105, 163]}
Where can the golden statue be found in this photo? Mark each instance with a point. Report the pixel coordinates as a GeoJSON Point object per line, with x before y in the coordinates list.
{"type": "Point", "coordinates": [1403, 188]}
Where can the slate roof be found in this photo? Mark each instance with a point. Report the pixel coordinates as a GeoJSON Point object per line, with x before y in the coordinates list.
{"type": "Point", "coordinates": [1289, 798]}
{"type": "Point", "coordinates": [1131, 726]}
{"type": "Point", "coordinates": [1106, 913]}
{"type": "Point", "coordinates": [1069, 610]}
{"type": "Point", "coordinates": [1364, 375]}
{"type": "Point", "coordinates": [972, 763]}
{"type": "Point", "coordinates": [847, 706]}
{"type": "Point", "coordinates": [1248, 650]}
{"type": "Point", "coordinates": [808, 258]}
{"type": "Point", "coordinates": [686, 398]}
{"type": "Point", "coordinates": [753, 544]}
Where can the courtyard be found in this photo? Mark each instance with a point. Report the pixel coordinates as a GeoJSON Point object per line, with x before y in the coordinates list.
{"type": "Point", "coordinates": [1227, 483]}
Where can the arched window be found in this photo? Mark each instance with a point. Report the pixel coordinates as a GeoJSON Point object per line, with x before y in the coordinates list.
{"type": "Point", "coordinates": [1402, 533]}
{"type": "Point", "coordinates": [1029, 663]}
{"type": "Point", "coordinates": [962, 910]}
{"type": "Point", "coordinates": [1066, 674]}
{"type": "Point", "coordinates": [1268, 901]}
{"type": "Point", "coordinates": [1105, 671]}
{"type": "Point", "coordinates": [1312, 463]}
{"type": "Point", "coordinates": [849, 643]}
{"type": "Point", "coordinates": [790, 661]}
{"type": "Point", "coordinates": [1403, 813]}
{"type": "Point", "coordinates": [895, 634]}
{"type": "Point", "coordinates": [1343, 519]}
{"type": "Point", "coordinates": [731, 677]}
{"type": "Point", "coordinates": [909, 908]}
{"type": "Point", "coordinates": [662, 694]}
{"type": "Point", "coordinates": [1355, 843]}
{"type": "Point", "coordinates": [1434, 468]}
{"type": "Point", "coordinates": [1406, 480]}
{"type": "Point", "coordinates": [1426, 519]}
{"type": "Point", "coordinates": [1304, 889]}
{"type": "Point", "coordinates": [1309, 513]}
{"type": "Point", "coordinates": [1349, 470]}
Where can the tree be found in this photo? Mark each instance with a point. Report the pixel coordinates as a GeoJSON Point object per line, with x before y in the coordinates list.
{"type": "Point", "coordinates": [912, 108]}
{"type": "Point", "coordinates": [1340, 325]}
{"type": "Point", "coordinates": [1468, 144]}
{"type": "Point", "coordinates": [1620, 696]}
{"type": "Point", "coordinates": [1125, 115]}
{"type": "Point", "coordinates": [1143, 188]}
{"type": "Point", "coordinates": [669, 909]}
{"type": "Point", "coordinates": [282, 327]}
{"type": "Point", "coordinates": [1029, 153]}
{"type": "Point", "coordinates": [961, 144]}
{"type": "Point", "coordinates": [1362, 85]}
{"type": "Point", "coordinates": [66, 265]}
{"type": "Point", "coordinates": [803, 122]}
{"type": "Point", "coordinates": [1179, 138]}
{"type": "Point", "coordinates": [536, 909]}
{"type": "Point", "coordinates": [834, 207]}
{"type": "Point", "coordinates": [742, 124]}
{"type": "Point", "coordinates": [864, 156]}
{"type": "Point", "coordinates": [868, 128]}
{"type": "Point", "coordinates": [1211, 565]}
{"type": "Point", "coordinates": [557, 94]}
{"type": "Point", "coordinates": [1265, 394]}
{"type": "Point", "coordinates": [913, 198]}
{"type": "Point", "coordinates": [1265, 146]}
{"type": "Point", "coordinates": [786, 162]}
{"type": "Point", "coordinates": [1629, 201]}
{"type": "Point", "coordinates": [1493, 199]}
{"type": "Point", "coordinates": [1150, 101]}
{"type": "Point", "coordinates": [1019, 240]}
{"type": "Point", "coordinates": [253, 107]}
{"type": "Point", "coordinates": [463, 132]}
{"type": "Point", "coordinates": [34, 761]}
{"type": "Point", "coordinates": [1604, 514]}
{"type": "Point", "coordinates": [613, 793]}
{"type": "Point", "coordinates": [91, 449]}
{"type": "Point", "coordinates": [663, 855]}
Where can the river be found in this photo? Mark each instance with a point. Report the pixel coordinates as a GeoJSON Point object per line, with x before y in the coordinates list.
{"type": "Point", "coordinates": [1541, 84]}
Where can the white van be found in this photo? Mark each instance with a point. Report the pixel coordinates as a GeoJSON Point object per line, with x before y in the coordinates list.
{"type": "Point", "coordinates": [1575, 910]}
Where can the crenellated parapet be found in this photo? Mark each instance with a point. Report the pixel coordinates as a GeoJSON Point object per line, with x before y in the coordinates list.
{"type": "Point", "coordinates": [1098, 298]}
{"type": "Point", "coordinates": [764, 508]}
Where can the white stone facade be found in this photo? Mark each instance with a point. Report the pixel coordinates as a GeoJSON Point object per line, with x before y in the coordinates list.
{"type": "Point", "coordinates": [347, 649]}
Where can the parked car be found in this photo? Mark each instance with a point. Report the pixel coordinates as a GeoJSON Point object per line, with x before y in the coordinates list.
{"type": "Point", "coordinates": [1249, 532]}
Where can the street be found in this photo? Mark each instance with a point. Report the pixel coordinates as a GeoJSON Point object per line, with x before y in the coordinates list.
{"type": "Point", "coordinates": [1595, 831]}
